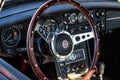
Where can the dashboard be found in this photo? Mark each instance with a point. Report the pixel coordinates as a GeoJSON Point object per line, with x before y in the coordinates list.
{"type": "Point", "coordinates": [13, 33]}
{"type": "Point", "coordinates": [14, 22]}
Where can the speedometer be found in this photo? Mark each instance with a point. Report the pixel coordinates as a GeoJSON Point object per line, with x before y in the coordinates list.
{"type": "Point", "coordinates": [10, 36]}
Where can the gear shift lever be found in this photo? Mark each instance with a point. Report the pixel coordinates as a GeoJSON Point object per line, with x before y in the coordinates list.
{"type": "Point", "coordinates": [101, 68]}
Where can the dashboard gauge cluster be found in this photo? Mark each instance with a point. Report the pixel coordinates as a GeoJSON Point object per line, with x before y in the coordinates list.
{"type": "Point", "coordinates": [10, 36]}
{"type": "Point", "coordinates": [65, 22]}
{"type": "Point", "coordinates": [50, 25]}
{"type": "Point", "coordinates": [77, 22]}
{"type": "Point", "coordinates": [76, 17]}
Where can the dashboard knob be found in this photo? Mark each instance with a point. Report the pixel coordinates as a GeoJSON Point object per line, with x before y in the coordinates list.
{"type": "Point", "coordinates": [99, 13]}
{"type": "Point", "coordinates": [100, 25]}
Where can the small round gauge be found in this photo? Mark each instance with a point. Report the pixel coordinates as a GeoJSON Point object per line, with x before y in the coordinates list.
{"type": "Point", "coordinates": [72, 18]}
{"type": "Point", "coordinates": [10, 36]}
{"type": "Point", "coordinates": [47, 26]}
{"type": "Point", "coordinates": [81, 17]}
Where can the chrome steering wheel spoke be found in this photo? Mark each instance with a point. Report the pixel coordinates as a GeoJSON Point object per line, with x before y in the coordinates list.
{"type": "Point", "coordinates": [41, 35]}
{"type": "Point", "coordinates": [79, 38]}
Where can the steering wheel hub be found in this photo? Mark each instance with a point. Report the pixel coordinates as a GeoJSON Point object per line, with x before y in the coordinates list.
{"type": "Point", "coordinates": [61, 44]}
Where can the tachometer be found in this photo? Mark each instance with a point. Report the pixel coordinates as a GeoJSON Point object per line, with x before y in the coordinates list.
{"type": "Point", "coordinates": [10, 36]}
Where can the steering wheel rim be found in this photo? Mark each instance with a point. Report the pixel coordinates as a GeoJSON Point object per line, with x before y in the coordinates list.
{"type": "Point", "coordinates": [30, 37]}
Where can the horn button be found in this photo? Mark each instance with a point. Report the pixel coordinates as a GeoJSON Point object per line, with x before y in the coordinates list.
{"type": "Point", "coordinates": [62, 44]}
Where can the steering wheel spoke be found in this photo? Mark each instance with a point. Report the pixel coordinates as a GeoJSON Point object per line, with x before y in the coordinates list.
{"type": "Point", "coordinates": [79, 38]}
{"type": "Point", "coordinates": [40, 32]}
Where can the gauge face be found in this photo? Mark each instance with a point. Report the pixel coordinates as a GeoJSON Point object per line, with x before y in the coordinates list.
{"type": "Point", "coordinates": [72, 18]}
{"type": "Point", "coordinates": [46, 27]}
{"type": "Point", "coordinates": [10, 36]}
{"type": "Point", "coordinates": [81, 17]}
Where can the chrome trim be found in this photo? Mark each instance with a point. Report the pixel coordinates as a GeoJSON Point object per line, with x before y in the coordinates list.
{"type": "Point", "coordinates": [87, 35]}
{"type": "Point", "coordinates": [19, 33]}
{"type": "Point", "coordinates": [52, 45]}
{"type": "Point", "coordinates": [114, 18]}
{"type": "Point", "coordinates": [79, 59]}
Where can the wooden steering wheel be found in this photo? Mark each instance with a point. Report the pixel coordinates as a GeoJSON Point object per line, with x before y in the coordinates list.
{"type": "Point", "coordinates": [53, 39]}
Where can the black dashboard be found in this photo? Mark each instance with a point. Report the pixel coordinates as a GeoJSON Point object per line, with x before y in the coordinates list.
{"type": "Point", "coordinates": [104, 17]}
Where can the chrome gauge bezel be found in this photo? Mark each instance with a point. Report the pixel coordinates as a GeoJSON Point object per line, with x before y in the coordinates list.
{"type": "Point", "coordinates": [72, 18]}
{"type": "Point", "coordinates": [4, 31]}
{"type": "Point", "coordinates": [81, 18]}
